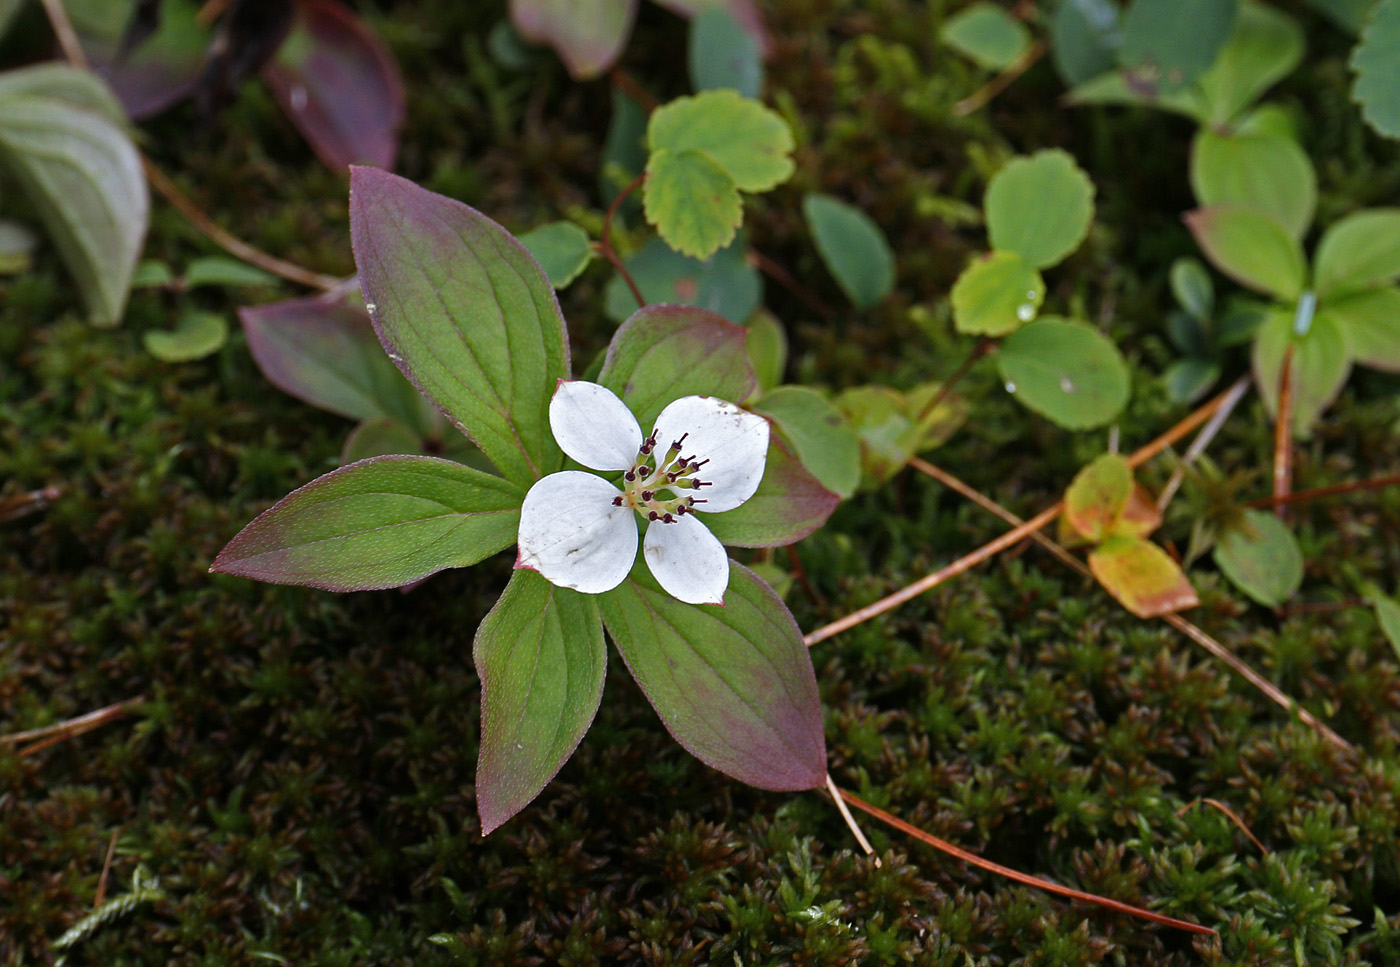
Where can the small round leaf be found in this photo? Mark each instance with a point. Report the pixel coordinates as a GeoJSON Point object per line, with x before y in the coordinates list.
{"type": "Point", "coordinates": [1067, 371]}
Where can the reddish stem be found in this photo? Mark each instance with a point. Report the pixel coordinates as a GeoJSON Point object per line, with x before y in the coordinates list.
{"type": "Point", "coordinates": [605, 248]}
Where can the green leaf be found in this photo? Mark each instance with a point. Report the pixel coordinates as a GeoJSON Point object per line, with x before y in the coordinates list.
{"type": "Point", "coordinates": [733, 684]}
{"type": "Point", "coordinates": [748, 141]}
{"type": "Point", "coordinates": [1251, 248]}
{"type": "Point", "coordinates": [1376, 61]}
{"type": "Point", "coordinates": [1097, 496]}
{"type": "Point", "coordinates": [624, 149]}
{"type": "Point", "coordinates": [852, 247]}
{"type": "Point", "coordinates": [466, 313]}
{"type": "Point", "coordinates": [725, 283]}
{"type": "Point", "coordinates": [894, 426]}
{"type": "Point", "coordinates": [996, 295]}
{"type": "Point", "coordinates": [724, 54]}
{"type": "Point", "coordinates": [1388, 617]}
{"type": "Point", "coordinates": [1266, 173]}
{"type": "Point", "coordinates": [1171, 42]}
{"type": "Point", "coordinates": [59, 141]}
{"type": "Point", "coordinates": [1192, 287]}
{"type": "Point", "coordinates": [1141, 575]}
{"type": "Point", "coordinates": [562, 249]}
{"type": "Point", "coordinates": [379, 438]}
{"type": "Point", "coordinates": [541, 659]}
{"type": "Point", "coordinates": [1189, 379]}
{"type": "Point", "coordinates": [1118, 87]}
{"type": "Point", "coordinates": [1265, 46]}
{"type": "Point", "coordinates": [8, 9]}
{"type": "Point", "coordinates": [1261, 557]}
{"type": "Point", "coordinates": [819, 433]}
{"type": "Point", "coordinates": [1371, 323]}
{"type": "Point", "coordinates": [790, 503]}
{"type": "Point", "coordinates": [665, 352]}
{"type": "Point", "coordinates": [1084, 39]}
{"type": "Point", "coordinates": [1321, 365]}
{"type": "Point", "coordinates": [987, 35]}
{"type": "Point", "coordinates": [1040, 207]}
{"type": "Point", "coordinates": [379, 523]}
{"type": "Point", "coordinates": [1358, 252]}
{"type": "Point", "coordinates": [692, 201]}
{"type": "Point", "coordinates": [196, 335]}
{"type": "Point", "coordinates": [1066, 371]}
{"type": "Point", "coordinates": [221, 271]}
{"type": "Point", "coordinates": [152, 274]}
{"type": "Point", "coordinates": [588, 35]}
{"type": "Point", "coordinates": [768, 349]}
{"type": "Point", "coordinates": [1350, 15]}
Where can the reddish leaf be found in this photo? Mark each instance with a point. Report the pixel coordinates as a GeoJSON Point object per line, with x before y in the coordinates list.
{"type": "Point", "coordinates": [1140, 517]}
{"type": "Point", "coordinates": [588, 35]}
{"type": "Point", "coordinates": [1142, 577]}
{"type": "Point", "coordinates": [338, 83]}
{"type": "Point", "coordinates": [789, 505]}
{"type": "Point", "coordinates": [162, 70]}
{"type": "Point", "coordinates": [1097, 496]}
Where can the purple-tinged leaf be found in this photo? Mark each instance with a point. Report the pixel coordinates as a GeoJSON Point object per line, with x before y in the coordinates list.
{"type": "Point", "coordinates": [541, 659]}
{"type": "Point", "coordinates": [665, 352]}
{"type": "Point", "coordinates": [789, 504]}
{"type": "Point", "coordinates": [588, 35]}
{"type": "Point", "coordinates": [733, 683]}
{"type": "Point", "coordinates": [379, 523]}
{"type": "Point", "coordinates": [340, 86]}
{"type": "Point", "coordinates": [466, 313]}
{"type": "Point", "coordinates": [324, 352]}
{"type": "Point", "coordinates": [161, 71]}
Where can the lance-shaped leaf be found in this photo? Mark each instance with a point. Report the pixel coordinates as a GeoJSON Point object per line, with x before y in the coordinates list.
{"type": "Point", "coordinates": [588, 35]}
{"type": "Point", "coordinates": [466, 313]}
{"type": "Point", "coordinates": [1261, 557]}
{"type": "Point", "coordinates": [79, 169]}
{"type": "Point", "coordinates": [819, 433]}
{"type": "Point", "coordinates": [1141, 575]}
{"type": "Point", "coordinates": [1359, 252]}
{"type": "Point", "coordinates": [1321, 365]}
{"type": "Point", "coordinates": [540, 656]}
{"type": "Point", "coordinates": [1251, 248]}
{"type": "Point", "coordinates": [790, 503]}
{"type": "Point", "coordinates": [379, 523]}
{"type": "Point", "coordinates": [853, 248]}
{"type": "Point", "coordinates": [340, 86]}
{"type": "Point", "coordinates": [325, 352]}
{"type": "Point", "coordinates": [665, 352]}
{"type": "Point", "coordinates": [733, 684]}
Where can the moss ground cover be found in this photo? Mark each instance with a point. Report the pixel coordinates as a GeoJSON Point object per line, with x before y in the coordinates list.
{"type": "Point", "coordinates": [298, 778]}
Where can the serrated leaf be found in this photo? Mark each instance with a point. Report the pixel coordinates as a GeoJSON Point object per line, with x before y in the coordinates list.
{"type": "Point", "coordinates": [733, 684]}
{"type": "Point", "coordinates": [853, 248]}
{"type": "Point", "coordinates": [563, 250]}
{"type": "Point", "coordinates": [466, 313]}
{"type": "Point", "coordinates": [1261, 557]}
{"type": "Point", "coordinates": [1376, 61]}
{"type": "Point", "coordinates": [1251, 248]}
{"type": "Point", "coordinates": [1172, 42]}
{"type": "Point", "coordinates": [1192, 287]}
{"type": "Point", "coordinates": [222, 271]}
{"type": "Point", "coordinates": [1265, 46]}
{"type": "Point", "coordinates": [1371, 323]}
{"type": "Point", "coordinates": [665, 352]}
{"type": "Point", "coordinates": [768, 349]}
{"type": "Point", "coordinates": [196, 335]}
{"type": "Point", "coordinates": [1066, 371]}
{"type": "Point", "coordinates": [750, 142]}
{"type": "Point", "coordinates": [541, 659]}
{"type": "Point", "coordinates": [987, 35]}
{"type": "Point", "coordinates": [790, 503]}
{"type": "Point", "coordinates": [339, 84]}
{"type": "Point", "coordinates": [692, 201]}
{"type": "Point", "coordinates": [996, 294]}
{"type": "Point", "coordinates": [83, 176]}
{"type": "Point", "coordinates": [1321, 365]}
{"type": "Point", "coordinates": [1267, 173]}
{"type": "Point", "coordinates": [1358, 252]}
{"type": "Point", "coordinates": [1141, 575]}
{"type": "Point", "coordinates": [1040, 207]}
{"type": "Point", "coordinates": [325, 352]}
{"type": "Point", "coordinates": [379, 523]}
{"type": "Point", "coordinates": [723, 53]}
{"type": "Point", "coordinates": [725, 283]}
{"type": "Point", "coordinates": [1084, 38]}
{"type": "Point", "coordinates": [1098, 495]}
{"type": "Point", "coordinates": [819, 433]}
{"type": "Point", "coordinates": [588, 35]}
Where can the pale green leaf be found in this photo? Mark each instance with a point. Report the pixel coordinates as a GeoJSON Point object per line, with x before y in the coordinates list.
{"type": "Point", "coordinates": [1261, 557]}
{"type": "Point", "coordinates": [1251, 248]}
{"type": "Point", "coordinates": [1192, 287]}
{"type": "Point", "coordinates": [1358, 252]}
{"type": "Point", "coordinates": [768, 349]}
{"type": "Point", "coordinates": [1065, 370]}
{"type": "Point", "coordinates": [987, 35]}
{"type": "Point", "coordinates": [1040, 207]}
{"type": "Point", "coordinates": [1097, 496]}
{"type": "Point", "coordinates": [563, 250]}
{"type": "Point", "coordinates": [692, 201]}
{"type": "Point", "coordinates": [996, 295]}
{"type": "Point", "coordinates": [1266, 173]}
{"type": "Point", "coordinates": [1371, 323]}
{"type": "Point", "coordinates": [1142, 576]}
{"type": "Point", "coordinates": [196, 335]}
{"type": "Point", "coordinates": [1321, 365]}
{"type": "Point", "coordinates": [221, 271]}
{"type": "Point", "coordinates": [749, 142]}
{"type": "Point", "coordinates": [1265, 46]}
{"type": "Point", "coordinates": [819, 434]}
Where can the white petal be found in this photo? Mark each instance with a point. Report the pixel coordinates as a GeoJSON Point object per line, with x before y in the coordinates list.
{"type": "Point", "coordinates": [733, 440]}
{"type": "Point", "coordinates": [573, 535]}
{"type": "Point", "coordinates": [687, 560]}
{"type": "Point", "coordinates": [593, 426]}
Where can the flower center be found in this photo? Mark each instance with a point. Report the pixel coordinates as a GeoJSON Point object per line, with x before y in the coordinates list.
{"type": "Point", "coordinates": [656, 486]}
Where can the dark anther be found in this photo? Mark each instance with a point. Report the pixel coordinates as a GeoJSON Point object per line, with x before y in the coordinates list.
{"type": "Point", "coordinates": [648, 494]}
{"type": "Point", "coordinates": [631, 475]}
{"type": "Point", "coordinates": [681, 510]}
{"type": "Point", "coordinates": [617, 501]}
{"type": "Point", "coordinates": [653, 515]}
{"type": "Point", "coordinates": [677, 444]}
{"type": "Point", "coordinates": [701, 463]}
{"type": "Point", "coordinates": [668, 519]}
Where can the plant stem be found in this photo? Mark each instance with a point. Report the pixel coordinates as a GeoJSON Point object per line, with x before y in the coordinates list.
{"type": "Point", "coordinates": [1333, 490]}
{"type": "Point", "coordinates": [605, 247]}
{"type": "Point", "coordinates": [784, 278]}
{"type": "Point", "coordinates": [1001, 82]}
{"type": "Point", "coordinates": [984, 346]}
{"type": "Point", "coordinates": [1283, 435]}
{"type": "Point", "coordinates": [50, 735]}
{"type": "Point", "coordinates": [67, 37]}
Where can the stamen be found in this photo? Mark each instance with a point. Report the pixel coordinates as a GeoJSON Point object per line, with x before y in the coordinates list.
{"type": "Point", "coordinates": [648, 494]}
{"type": "Point", "coordinates": [676, 445]}
{"type": "Point", "coordinates": [653, 515]}
{"type": "Point", "coordinates": [697, 500]}
{"type": "Point", "coordinates": [697, 466]}
{"type": "Point", "coordinates": [668, 519]}
{"type": "Point", "coordinates": [617, 501]}
{"type": "Point", "coordinates": [631, 474]}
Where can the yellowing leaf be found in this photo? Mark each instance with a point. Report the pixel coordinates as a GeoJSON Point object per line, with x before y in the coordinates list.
{"type": "Point", "coordinates": [1097, 496]}
{"type": "Point", "coordinates": [1141, 575]}
{"type": "Point", "coordinates": [692, 202]}
{"type": "Point", "coordinates": [748, 141]}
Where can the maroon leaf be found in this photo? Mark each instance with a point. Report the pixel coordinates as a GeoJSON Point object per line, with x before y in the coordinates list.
{"type": "Point", "coordinates": [338, 83]}
{"type": "Point", "coordinates": [160, 71]}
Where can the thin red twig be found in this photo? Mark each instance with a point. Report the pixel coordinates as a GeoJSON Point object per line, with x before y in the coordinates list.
{"type": "Point", "coordinates": [1283, 435]}
{"type": "Point", "coordinates": [605, 247]}
{"type": "Point", "coordinates": [1230, 813]}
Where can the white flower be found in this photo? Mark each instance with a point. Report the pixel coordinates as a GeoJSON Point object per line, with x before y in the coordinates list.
{"type": "Point", "coordinates": [580, 530]}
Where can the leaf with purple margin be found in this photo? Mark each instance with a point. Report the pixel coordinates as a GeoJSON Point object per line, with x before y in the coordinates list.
{"type": "Point", "coordinates": [790, 503]}
{"type": "Point", "coordinates": [665, 352]}
{"type": "Point", "coordinates": [379, 523]}
{"type": "Point", "coordinates": [339, 84]}
{"type": "Point", "coordinates": [541, 659]}
{"type": "Point", "coordinates": [466, 313]}
{"type": "Point", "coordinates": [733, 683]}
{"type": "Point", "coordinates": [162, 70]}
{"type": "Point", "coordinates": [588, 35]}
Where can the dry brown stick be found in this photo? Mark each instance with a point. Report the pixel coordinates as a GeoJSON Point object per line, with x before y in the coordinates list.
{"type": "Point", "coordinates": [70, 727]}
{"type": "Point", "coordinates": [1198, 445]}
{"type": "Point", "coordinates": [1229, 813]}
{"type": "Point", "coordinates": [1332, 490]}
{"type": "Point", "coordinates": [67, 37]}
{"type": "Point", "coordinates": [1216, 649]}
{"type": "Point", "coordinates": [1001, 82]}
{"type": "Point", "coordinates": [1283, 435]}
{"type": "Point", "coordinates": [850, 820]}
{"type": "Point", "coordinates": [106, 869]}
{"type": "Point", "coordinates": [1025, 878]}
{"type": "Point", "coordinates": [994, 547]}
